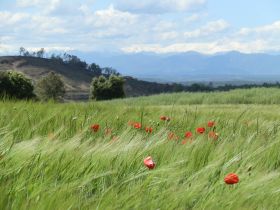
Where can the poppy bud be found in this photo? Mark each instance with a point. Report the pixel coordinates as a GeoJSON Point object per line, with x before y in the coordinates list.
{"type": "Point", "coordinates": [213, 135]}
{"type": "Point", "coordinates": [149, 163]}
{"type": "Point", "coordinates": [94, 127]}
{"type": "Point", "coordinates": [148, 129]}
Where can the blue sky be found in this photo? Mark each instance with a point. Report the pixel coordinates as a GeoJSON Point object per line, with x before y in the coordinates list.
{"type": "Point", "coordinates": [162, 26]}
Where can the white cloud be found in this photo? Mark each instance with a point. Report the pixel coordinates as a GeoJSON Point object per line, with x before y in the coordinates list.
{"type": "Point", "coordinates": [49, 5]}
{"type": "Point", "coordinates": [152, 6]}
{"type": "Point", "coordinates": [8, 18]}
{"type": "Point", "coordinates": [115, 28]}
{"type": "Point", "coordinates": [270, 29]}
{"type": "Point", "coordinates": [54, 7]}
{"type": "Point", "coordinates": [112, 17]}
{"type": "Point", "coordinates": [168, 35]}
{"type": "Point", "coordinates": [203, 47]}
{"type": "Point", "coordinates": [28, 3]}
{"type": "Point", "coordinates": [208, 29]}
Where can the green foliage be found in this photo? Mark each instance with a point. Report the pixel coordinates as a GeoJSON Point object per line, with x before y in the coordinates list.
{"type": "Point", "coordinates": [50, 87]}
{"type": "Point", "coordinates": [49, 159]}
{"type": "Point", "coordinates": [105, 89]}
{"type": "Point", "coordinates": [15, 85]}
{"type": "Point", "coordinates": [95, 69]}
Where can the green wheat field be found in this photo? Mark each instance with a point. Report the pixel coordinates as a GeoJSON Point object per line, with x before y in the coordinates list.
{"type": "Point", "coordinates": [51, 159]}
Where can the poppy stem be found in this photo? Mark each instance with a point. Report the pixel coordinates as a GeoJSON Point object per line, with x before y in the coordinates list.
{"type": "Point", "coordinates": [142, 114]}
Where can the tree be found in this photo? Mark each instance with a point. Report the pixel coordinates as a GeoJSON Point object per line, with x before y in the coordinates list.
{"type": "Point", "coordinates": [24, 52]}
{"type": "Point", "coordinates": [105, 89]}
{"type": "Point", "coordinates": [95, 69]}
{"type": "Point", "coordinates": [50, 87]}
{"type": "Point", "coordinates": [15, 85]}
{"type": "Point", "coordinates": [40, 53]}
{"type": "Point", "coordinates": [21, 51]}
{"type": "Point", "coordinates": [74, 61]}
{"type": "Point", "coordinates": [107, 71]}
{"type": "Point", "coordinates": [116, 84]}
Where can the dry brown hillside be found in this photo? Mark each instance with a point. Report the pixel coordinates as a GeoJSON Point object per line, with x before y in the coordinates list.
{"type": "Point", "coordinates": [77, 81]}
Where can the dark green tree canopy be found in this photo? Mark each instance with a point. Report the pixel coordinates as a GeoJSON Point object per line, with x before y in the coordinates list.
{"type": "Point", "coordinates": [105, 89]}
{"type": "Point", "coordinates": [15, 85]}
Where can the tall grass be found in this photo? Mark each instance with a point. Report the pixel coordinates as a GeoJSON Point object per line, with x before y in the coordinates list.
{"type": "Point", "coordinates": [49, 158]}
{"type": "Point", "coordinates": [238, 96]}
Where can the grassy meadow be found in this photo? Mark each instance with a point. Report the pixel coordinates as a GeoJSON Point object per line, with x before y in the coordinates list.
{"type": "Point", "coordinates": [50, 158]}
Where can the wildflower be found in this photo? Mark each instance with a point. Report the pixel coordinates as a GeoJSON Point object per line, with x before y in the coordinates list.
{"type": "Point", "coordinates": [95, 127]}
{"type": "Point", "coordinates": [211, 124]}
{"type": "Point", "coordinates": [137, 125]}
{"type": "Point", "coordinates": [163, 118]}
{"type": "Point", "coordinates": [168, 119]}
{"type": "Point", "coordinates": [148, 129]}
{"type": "Point", "coordinates": [149, 163]}
{"type": "Point", "coordinates": [188, 134]}
{"type": "Point", "coordinates": [184, 141]}
{"type": "Point", "coordinates": [200, 130]}
{"type": "Point", "coordinates": [231, 179]}
{"type": "Point", "coordinates": [108, 131]}
{"type": "Point", "coordinates": [213, 135]}
{"type": "Point", "coordinates": [172, 136]}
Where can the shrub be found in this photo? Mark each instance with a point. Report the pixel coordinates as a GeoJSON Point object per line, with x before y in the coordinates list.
{"type": "Point", "coordinates": [50, 87]}
{"type": "Point", "coordinates": [15, 85]}
{"type": "Point", "coordinates": [105, 89]}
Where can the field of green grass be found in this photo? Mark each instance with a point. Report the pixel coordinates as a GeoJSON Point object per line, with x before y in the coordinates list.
{"type": "Point", "coordinates": [51, 159]}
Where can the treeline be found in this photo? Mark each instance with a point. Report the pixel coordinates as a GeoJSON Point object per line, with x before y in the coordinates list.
{"type": "Point", "coordinates": [197, 87]}
{"type": "Point", "coordinates": [72, 61]}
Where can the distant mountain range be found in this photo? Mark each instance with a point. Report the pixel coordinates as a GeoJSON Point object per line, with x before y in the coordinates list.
{"type": "Point", "coordinates": [191, 66]}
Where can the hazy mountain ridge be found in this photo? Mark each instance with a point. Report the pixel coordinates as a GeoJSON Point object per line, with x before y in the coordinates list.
{"type": "Point", "coordinates": [192, 66]}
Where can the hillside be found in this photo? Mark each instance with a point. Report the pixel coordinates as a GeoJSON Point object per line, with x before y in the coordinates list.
{"type": "Point", "coordinates": [50, 158]}
{"type": "Point", "coordinates": [77, 80]}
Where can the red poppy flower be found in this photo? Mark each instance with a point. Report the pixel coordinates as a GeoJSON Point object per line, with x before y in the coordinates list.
{"type": "Point", "coordinates": [94, 127]}
{"type": "Point", "coordinates": [163, 118]}
{"type": "Point", "coordinates": [211, 124]}
{"type": "Point", "coordinates": [137, 125]}
{"type": "Point", "coordinates": [231, 179]}
{"type": "Point", "coordinates": [148, 129]}
{"type": "Point", "coordinates": [188, 134]}
{"type": "Point", "coordinates": [149, 163]}
{"type": "Point", "coordinates": [213, 135]}
{"type": "Point", "coordinates": [200, 130]}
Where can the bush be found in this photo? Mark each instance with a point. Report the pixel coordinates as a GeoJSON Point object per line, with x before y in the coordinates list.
{"type": "Point", "coordinates": [15, 85]}
{"type": "Point", "coordinates": [105, 89]}
{"type": "Point", "coordinates": [50, 87]}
